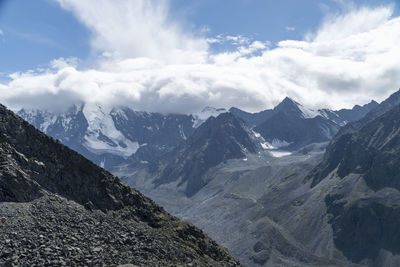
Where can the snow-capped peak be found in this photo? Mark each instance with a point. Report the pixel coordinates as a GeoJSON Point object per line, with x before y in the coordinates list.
{"type": "Point", "coordinates": [207, 112]}
{"type": "Point", "coordinates": [288, 105]}
{"type": "Point", "coordinates": [45, 118]}
{"type": "Point", "coordinates": [102, 136]}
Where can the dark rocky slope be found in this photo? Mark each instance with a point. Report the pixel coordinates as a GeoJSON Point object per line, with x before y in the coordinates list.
{"type": "Point", "coordinates": [365, 209]}
{"type": "Point", "coordinates": [358, 143]}
{"type": "Point", "coordinates": [61, 209]}
{"type": "Point", "coordinates": [217, 140]}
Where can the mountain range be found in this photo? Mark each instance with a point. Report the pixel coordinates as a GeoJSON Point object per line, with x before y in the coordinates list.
{"type": "Point", "coordinates": [290, 186]}
{"type": "Point", "coordinates": [111, 136]}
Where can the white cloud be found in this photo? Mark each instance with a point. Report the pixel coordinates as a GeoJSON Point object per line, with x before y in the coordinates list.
{"type": "Point", "coordinates": [253, 47]}
{"type": "Point", "coordinates": [139, 28]}
{"type": "Point", "coordinates": [341, 26]}
{"type": "Point", "coordinates": [238, 39]}
{"type": "Point", "coordinates": [150, 63]}
{"type": "Point", "coordinates": [1, 32]}
{"type": "Point", "coordinates": [290, 28]}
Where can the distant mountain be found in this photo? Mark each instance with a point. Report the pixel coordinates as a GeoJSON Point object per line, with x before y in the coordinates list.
{"type": "Point", "coordinates": [382, 108]}
{"type": "Point", "coordinates": [357, 112]}
{"type": "Point", "coordinates": [110, 136]}
{"type": "Point", "coordinates": [291, 125]}
{"type": "Point", "coordinates": [215, 141]}
{"type": "Point", "coordinates": [365, 208]}
{"type": "Point", "coordinates": [59, 208]}
{"type": "Point", "coordinates": [296, 125]}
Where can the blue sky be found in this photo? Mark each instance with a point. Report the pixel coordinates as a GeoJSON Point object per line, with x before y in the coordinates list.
{"type": "Point", "coordinates": [183, 55]}
{"type": "Point", "coordinates": [36, 32]}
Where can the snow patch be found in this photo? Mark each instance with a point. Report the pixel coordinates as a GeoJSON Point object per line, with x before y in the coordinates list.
{"type": "Point", "coordinates": [277, 143]}
{"type": "Point", "coordinates": [48, 120]}
{"type": "Point", "coordinates": [182, 133]}
{"type": "Point", "coordinates": [308, 113]}
{"type": "Point", "coordinates": [201, 117]}
{"type": "Point", "coordinates": [280, 154]}
{"type": "Point", "coordinates": [119, 112]}
{"type": "Point", "coordinates": [102, 163]}
{"type": "Point", "coordinates": [266, 145]}
{"type": "Point", "coordinates": [257, 134]}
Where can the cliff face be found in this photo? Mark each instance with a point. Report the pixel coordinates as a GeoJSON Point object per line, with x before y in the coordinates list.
{"type": "Point", "coordinates": [59, 207]}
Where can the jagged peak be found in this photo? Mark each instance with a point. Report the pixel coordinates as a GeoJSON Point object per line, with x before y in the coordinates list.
{"type": "Point", "coordinates": [286, 103]}
{"type": "Point", "coordinates": [290, 100]}
{"type": "Point", "coordinates": [289, 105]}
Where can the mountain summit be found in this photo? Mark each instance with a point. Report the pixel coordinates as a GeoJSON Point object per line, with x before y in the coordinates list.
{"type": "Point", "coordinates": [295, 109]}
{"type": "Point", "coordinates": [297, 126]}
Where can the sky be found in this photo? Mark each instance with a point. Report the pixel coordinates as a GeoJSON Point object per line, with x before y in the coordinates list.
{"type": "Point", "coordinates": [182, 55]}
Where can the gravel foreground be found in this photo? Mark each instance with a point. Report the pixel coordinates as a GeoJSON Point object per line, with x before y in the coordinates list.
{"type": "Point", "coordinates": [52, 231]}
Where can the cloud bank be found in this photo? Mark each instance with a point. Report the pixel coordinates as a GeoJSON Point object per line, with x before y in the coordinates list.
{"type": "Point", "coordinates": [148, 61]}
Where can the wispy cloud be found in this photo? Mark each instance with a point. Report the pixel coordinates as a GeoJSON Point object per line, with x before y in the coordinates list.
{"type": "Point", "coordinates": [290, 28]}
{"type": "Point", "coordinates": [141, 28]}
{"type": "Point", "coordinates": [149, 62]}
{"type": "Point", "coordinates": [34, 38]}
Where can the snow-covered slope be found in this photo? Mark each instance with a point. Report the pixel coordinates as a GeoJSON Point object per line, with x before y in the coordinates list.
{"type": "Point", "coordinates": [102, 136]}
{"type": "Point", "coordinates": [201, 117]}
